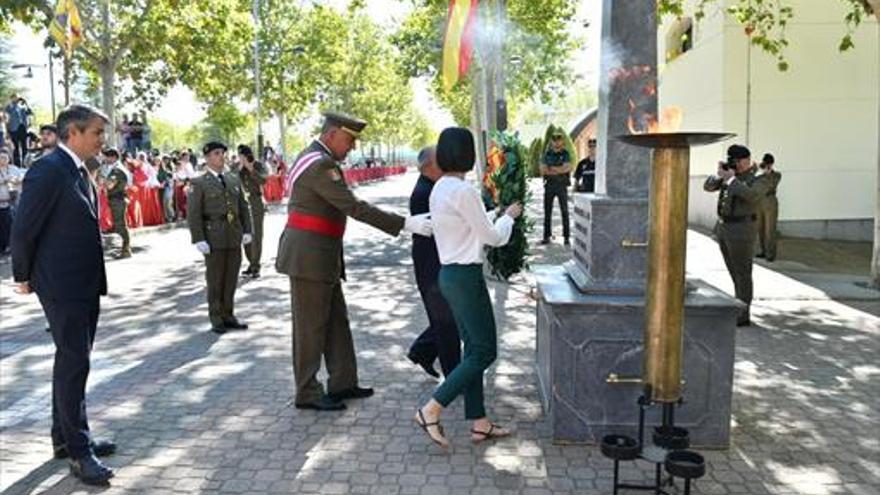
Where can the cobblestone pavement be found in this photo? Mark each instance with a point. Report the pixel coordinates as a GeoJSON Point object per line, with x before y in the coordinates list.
{"type": "Point", "coordinates": [196, 413]}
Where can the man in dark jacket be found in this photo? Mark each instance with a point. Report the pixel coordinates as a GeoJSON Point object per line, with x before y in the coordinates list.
{"type": "Point", "coordinates": [57, 253]}
{"type": "Point", "coordinates": [440, 339]}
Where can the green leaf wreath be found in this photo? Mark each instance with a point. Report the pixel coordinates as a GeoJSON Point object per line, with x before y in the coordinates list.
{"type": "Point", "coordinates": [505, 183]}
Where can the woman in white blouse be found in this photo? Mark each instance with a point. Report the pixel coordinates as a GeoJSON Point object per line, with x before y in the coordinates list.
{"type": "Point", "coordinates": [461, 230]}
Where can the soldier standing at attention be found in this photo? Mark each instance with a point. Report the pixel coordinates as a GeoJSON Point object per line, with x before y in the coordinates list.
{"type": "Point", "coordinates": [219, 222]}
{"type": "Point", "coordinates": [117, 186]}
{"type": "Point", "coordinates": [555, 167]}
{"type": "Point", "coordinates": [310, 253]}
{"type": "Point", "coordinates": [738, 200]}
{"type": "Point", "coordinates": [253, 175]}
{"type": "Point", "coordinates": [768, 213]}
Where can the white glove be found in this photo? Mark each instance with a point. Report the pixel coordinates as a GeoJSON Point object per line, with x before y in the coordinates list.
{"type": "Point", "coordinates": [246, 238]}
{"type": "Point", "coordinates": [419, 224]}
{"type": "Point", "coordinates": [203, 247]}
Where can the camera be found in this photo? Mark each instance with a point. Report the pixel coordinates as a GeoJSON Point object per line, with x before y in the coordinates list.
{"type": "Point", "coordinates": [730, 164]}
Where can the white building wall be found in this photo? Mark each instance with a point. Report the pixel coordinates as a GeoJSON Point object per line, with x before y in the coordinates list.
{"type": "Point", "coordinates": [820, 118]}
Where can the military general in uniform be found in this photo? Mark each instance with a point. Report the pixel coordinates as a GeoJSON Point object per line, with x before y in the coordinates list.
{"type": "Point", "coordinates": [253, 175]}
{"type": "Point", "coordinates": [310, 253]}
{"type": "Point", "coordinates": [738, 199]}
{"type": "Point", "coordinates": [219, 222]}
{"type": "Point", "coordinates": [768, 210]}
{"type": "Point", "coordinates": [117, 183]}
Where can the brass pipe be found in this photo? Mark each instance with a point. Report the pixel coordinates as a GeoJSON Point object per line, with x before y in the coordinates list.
{"type": "Point", "coordinates": [666, 274]}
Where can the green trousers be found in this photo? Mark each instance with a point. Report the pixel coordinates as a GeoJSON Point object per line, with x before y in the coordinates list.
{"type": "Point", "coordinates": [118, 208]}
{"type": "Point", "coordinates": [221, 274]}
{"type": "Point", "coordinates": [465, 290]}
{"type": "Point", "coordinates": [254, 250]}
{"type": "Point", "coordinates": [768, 213]}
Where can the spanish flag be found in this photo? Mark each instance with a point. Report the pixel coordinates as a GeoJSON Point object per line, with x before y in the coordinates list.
{"type": "Point", "coordinates": [66, 26]}
{"type": "Point", "coordinates": [458, 40]}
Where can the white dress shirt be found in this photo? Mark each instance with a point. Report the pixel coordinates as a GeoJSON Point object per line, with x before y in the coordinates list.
{"type": "Point", "coordinates": [461, 227]}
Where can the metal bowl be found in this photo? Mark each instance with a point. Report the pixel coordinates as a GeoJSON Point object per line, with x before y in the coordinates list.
{"type": "Point", "coordinates": [671, 437]}
{"type": "Point", "coordinates": [620, 447]}
{"type": "Point", "coordinates": [685, 464]}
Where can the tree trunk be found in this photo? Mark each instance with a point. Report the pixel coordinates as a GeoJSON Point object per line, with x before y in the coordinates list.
{"type": "Point", "coordinates": [282, 128]}
{"type": "Point", "coordinates": [107, 71]}
{"type": "Point", "coordinates": [875, 261]}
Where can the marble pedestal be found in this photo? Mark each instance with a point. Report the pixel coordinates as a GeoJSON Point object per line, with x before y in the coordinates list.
{"type": "Point", "coordinates": [582, 338]}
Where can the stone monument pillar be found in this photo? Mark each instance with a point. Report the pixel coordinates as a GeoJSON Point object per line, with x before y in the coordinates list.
{"type": "Point", "coordinates": [611, 225]}
{"type": "Point", "coordinates": [591, 311]}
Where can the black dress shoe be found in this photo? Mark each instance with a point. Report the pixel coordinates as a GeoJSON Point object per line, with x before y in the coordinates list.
{"type": "Point", "coordinates": [90, 470]}
{"type": "Point", "coordinates": [760, 255]}
{"type": "Point", "coordinates": [352, 393]}
{"type": "Point", "coordinates": [744, 323]}
{"type": "Point", "coordinates": [428, 367]}
{"type": "Point", "coordinates": [234, 325]}
{"type": "Point", "coordinates": [101, 448]}
{"type": "Point", "coordinates": [325, 403]}
{"type": "Point", "coordinates": [545, 241]}
{"type": "Point", "coordinates": [218, 329]}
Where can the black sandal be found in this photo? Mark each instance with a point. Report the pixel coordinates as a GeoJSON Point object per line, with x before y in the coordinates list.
{"type": "Point", "coordinates": [424, 425]}
{"type": "Point", "coordinates": [489, 434]}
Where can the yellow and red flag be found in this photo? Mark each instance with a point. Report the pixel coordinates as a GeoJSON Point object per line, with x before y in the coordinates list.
{"type": "Point", "coordinates": [458, 42]}
{"type": "Point", "coordinates": [66, 26]}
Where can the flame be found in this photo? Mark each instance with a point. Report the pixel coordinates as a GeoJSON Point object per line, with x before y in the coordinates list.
{"type": "Point", "coordinates": [670, 121]}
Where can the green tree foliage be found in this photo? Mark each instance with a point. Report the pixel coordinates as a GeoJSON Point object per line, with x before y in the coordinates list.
{"type": "Point", "coordinates": [765, 21]}
{"type": "Point", "coordinates": [536, 151]}
{"type": "Point", "coordinates": [536, 35]}
{"type": "Point", "coordinates": [224, 122]}
{"type": "Point", "coordinates": [6, 74]}
{"type": "Point", "coordinates": [302, 56]}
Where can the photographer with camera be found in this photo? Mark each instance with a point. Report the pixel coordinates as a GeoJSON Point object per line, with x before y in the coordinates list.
{"type": "Point", "coordinates": [768, 209]}
{"type": "Point", "coordinates": [18, 115]}
{"type": "Point", "coordinates": [738, 201]}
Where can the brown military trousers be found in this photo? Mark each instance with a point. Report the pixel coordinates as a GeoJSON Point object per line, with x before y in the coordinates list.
{"type": "Point", "coordinates": [737, 241]}
{"type": "Point", "coordinates": [221, 273]}
{"type": "Point", "coordinates": [254, 250]}
{"type": "Point", "coordinates": [768, 213]}
{"type": "Point", "coordinates": [320, 329]}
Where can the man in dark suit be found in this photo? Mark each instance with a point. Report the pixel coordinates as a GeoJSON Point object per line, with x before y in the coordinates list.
{"type": "Point", "coordinates": [57, 253]}
{"type": "Point", "coordinates": [440, 339]}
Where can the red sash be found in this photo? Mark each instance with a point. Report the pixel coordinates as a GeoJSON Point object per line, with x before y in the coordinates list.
{"type": "Point", "coordinates": [312, 223]}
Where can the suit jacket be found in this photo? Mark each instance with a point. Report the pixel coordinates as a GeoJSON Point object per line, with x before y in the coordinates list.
{"type": "Point", "coordinates": [321, 191]}
{"type": "Point", "coordinates": [426, 260]}
{"type": "Point", "coordinates": [56, 241]}
{"type": "Point", "coordinates": [218, 214]}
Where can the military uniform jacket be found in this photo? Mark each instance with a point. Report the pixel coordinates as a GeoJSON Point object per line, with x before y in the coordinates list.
{"type": "Point", "coordinates": [770, 181]}
{"type": "Point", "coordinates": [217, 214]}
{"type": "Point", "coordinates": [739, 200]}
{"type": "Point", "coordinates": [120, 183]}
{"type": "Point", "coordinates": [253, 185]}
{"type": "Point", "coordinates": [321, 191]}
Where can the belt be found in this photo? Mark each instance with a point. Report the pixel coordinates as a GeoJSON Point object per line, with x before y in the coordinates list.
{"type": "Point", "coordinates": [319, 225]}
{"type": "Point", "coordinates": [739, 219]}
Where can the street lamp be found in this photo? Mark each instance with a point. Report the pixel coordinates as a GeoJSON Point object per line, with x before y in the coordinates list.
{"type": "Point", "coordinates": [30, 75]}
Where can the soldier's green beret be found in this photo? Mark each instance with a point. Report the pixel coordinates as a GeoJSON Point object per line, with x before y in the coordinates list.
{"type": "Point", "coordinates": [347, 123]}
{"type": "Point", "coordinates": [213, 145]}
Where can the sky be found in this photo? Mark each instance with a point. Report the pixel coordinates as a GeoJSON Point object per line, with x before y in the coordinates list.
{"type": "Point", "coordinates": [181, 107]}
